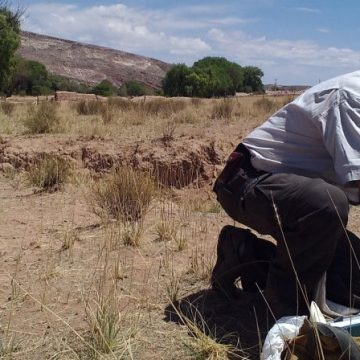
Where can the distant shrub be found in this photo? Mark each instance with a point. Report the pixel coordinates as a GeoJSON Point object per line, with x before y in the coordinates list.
{"type": "Point", "coordinates": [135, 88]}
{"type": "Point", "coordinates": [124, 195]}
{"type": "Point", "coordinates": [105, 88]}
{"type": "Point", "coordinates": [42, 119]}
{"type": "Point", "coordinates": [64, 84]}
{"type": "Point", "coordinates": [49, 172]}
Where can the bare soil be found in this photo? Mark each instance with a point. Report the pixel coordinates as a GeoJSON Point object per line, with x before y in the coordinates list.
{"type": "Point", "coordinates": [60, 260]}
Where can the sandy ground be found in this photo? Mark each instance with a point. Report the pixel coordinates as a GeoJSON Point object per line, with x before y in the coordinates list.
{"type": "Point", "coordinates": [61, 263]}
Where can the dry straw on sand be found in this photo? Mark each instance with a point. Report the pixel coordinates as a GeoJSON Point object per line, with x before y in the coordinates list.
{"type": "Point", "coordinates": [74, 287]}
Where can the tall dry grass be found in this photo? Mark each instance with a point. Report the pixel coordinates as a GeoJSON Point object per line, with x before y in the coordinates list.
{"type": "Point", "coordinates": [135, 119]}
{"type": "Point", "coordinates": [42, 119]}
{"type": "Point", "coordinates": [7, 108]}
{"type": "Point", "coordinates": [125, 194]}
{"type": "Point", "coordinates": [49, 172]}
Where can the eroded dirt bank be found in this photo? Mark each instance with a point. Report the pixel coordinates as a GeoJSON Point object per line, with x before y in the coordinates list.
{"type": "Point", "coordinates": [176, 163]}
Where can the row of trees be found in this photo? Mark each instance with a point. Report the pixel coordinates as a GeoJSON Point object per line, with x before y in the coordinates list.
{"type": "Point", "coordinates": [212, 76]}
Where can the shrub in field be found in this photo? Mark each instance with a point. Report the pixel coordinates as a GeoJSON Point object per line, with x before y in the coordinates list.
{"type": "Point", "coordinates": [125, 195]}
{"type": "Point", "coordinates": [49, 173]}
{"type": "Point", "coordinates": [7, 108]}
{"type": "Point", "coordinates": [266, 105]}
{"type": "Point", "coordinates": [222, 109]}
{"type": "Point", "coordinates": [42, 119]}
{"type": "Point", "coordinates": [105, 88]}
{"type": "Point", "coordinates": [92, 107]}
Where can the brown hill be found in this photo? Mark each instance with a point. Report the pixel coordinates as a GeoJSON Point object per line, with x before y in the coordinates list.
{"type": "Point", "coordinates": [89, 64]}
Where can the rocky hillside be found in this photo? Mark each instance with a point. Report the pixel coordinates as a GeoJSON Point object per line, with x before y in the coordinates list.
{"type": "Point", "coordinates": [90, 64]}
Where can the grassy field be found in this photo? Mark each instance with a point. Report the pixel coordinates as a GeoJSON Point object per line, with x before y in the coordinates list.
{"type": "Point", "coordinates": [115, 265]}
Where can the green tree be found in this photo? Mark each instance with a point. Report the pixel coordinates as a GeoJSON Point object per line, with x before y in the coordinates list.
{"type": "Point", "coordinates": [133, 88]}
{"type": "Point", "coordinates": [30, 77]}
{"type": "Point", "coordinates": [105, 88]}
{"type": "Point", "coordinates": [252, 79]}
{"type": "Point", "coordinates": [175, 82]}
{"type": "Point", "coordinates": [199, 84]}
{"type": "Point", "coordinates": [62, 83]}
{"type": "Point", "coordinates": [9, 41]}
{"type": "Point", "coordinates": [212, 76]}
{"type": "Point", "coordinates": [226, 77]}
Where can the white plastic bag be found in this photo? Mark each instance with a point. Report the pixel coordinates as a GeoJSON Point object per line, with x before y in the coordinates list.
{"type": "Point", "coordinates": [284, 329]}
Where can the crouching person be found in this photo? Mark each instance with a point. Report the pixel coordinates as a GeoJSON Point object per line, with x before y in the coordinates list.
{"type": "Point", "coordinates": [293, 178]}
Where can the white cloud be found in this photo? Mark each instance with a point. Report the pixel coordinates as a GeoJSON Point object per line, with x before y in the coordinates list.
{"type": "Point", "coordinates": [116, 26]}
{"type": "Point", "coordinates": [188, 45]}
{"type": "Point", "coordinates": [275, 56]}
{"type": "Point", "coordinates": [323, 30]}
{"type": "Point", "coordinates": [302, 52]}
{"type": "Point", "coordinates": [308, 10]}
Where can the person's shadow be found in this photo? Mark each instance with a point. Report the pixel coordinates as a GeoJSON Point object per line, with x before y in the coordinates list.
{"type": "Point", "coordinates": [242, 322]}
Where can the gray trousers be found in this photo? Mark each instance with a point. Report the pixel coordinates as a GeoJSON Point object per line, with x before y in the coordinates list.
{"type": "Point", "coordinates": [307, 217]}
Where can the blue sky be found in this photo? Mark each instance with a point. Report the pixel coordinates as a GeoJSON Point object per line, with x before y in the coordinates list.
{"type": "Point", "coordinates": [294, 42]}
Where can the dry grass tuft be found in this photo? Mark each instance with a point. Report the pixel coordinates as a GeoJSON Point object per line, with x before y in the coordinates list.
{"type": "Point", "coordinates": [200, 264]}
{"type": "Point", "coordinates": [132, 233]}
{"type": "Point", "coordinates": [187, 116]}
{"type": "Point", "coordinates": [120, 103]}
{"type": "Point", "coordinates": [92, 107]}
{"type": "Point", "coordinates": [203, 343]}
{"type": "Point", "coordinates": [7, 108]}
{"type": "Point", "coordinates": [49, 173]}
{"type": "Point", "coordinates": [105, 325]}
{"type": "Point", "coordinates": [223, 109]}
{"type": "Point", "coordinates": [173, 287]}
{"type": "Point", "coordinates": [125, 194]}
{"type": "Point", "coordinates": [69, 240]}
{"type": "Point", "coordinates": [166, 231]}
{"type": "Point", "coordinates": [107, 114]}
{"type": "Point", "coordinates": [266, 105]}
{"type": "Point", "coordinates": [168, 131]}
{"type": "Point", "coordinates": [42, 119]}
{"type": "Point", "coordinates": [160, 107]}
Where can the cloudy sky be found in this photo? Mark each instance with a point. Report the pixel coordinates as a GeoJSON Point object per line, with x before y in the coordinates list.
{"type": "Point", "coordinates": [292, 41]}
